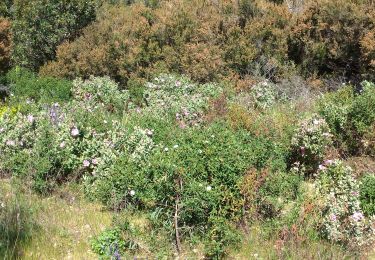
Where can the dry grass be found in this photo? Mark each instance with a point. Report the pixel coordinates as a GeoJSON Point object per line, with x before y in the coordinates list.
{"type": "Point", "coordinates": [65, 223]}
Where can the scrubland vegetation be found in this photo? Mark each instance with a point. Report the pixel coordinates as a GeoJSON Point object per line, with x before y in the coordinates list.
{"type": "Point", "coordinates": [187, 129]}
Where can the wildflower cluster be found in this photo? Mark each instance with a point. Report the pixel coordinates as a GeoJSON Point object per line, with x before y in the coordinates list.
{"type": "Point", "coordinates": [17, 132]}
{"type": "Point", "coordinates": [100, 91]}
{"type": "Point", "coordinates": [309, 144]}
{"type": "Point", "coordinates": [343, 220]}
{"type": "Point", "coordinates": [178, 96]}
{"type": "Point", "coordinates": [264, 94]}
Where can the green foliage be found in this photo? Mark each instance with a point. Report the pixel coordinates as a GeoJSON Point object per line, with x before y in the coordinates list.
{"type": "Point", "coordinates": [276, 191]}
{"type": "Point", "coordinates": [335, 108]}
{"type": "Point", "coordinates": [367, 194]}
{"type": "Point", "coordinates": [25, 84]}
{"type": "Point", "coordinates": [39, 26]}
{"type": "Point", "coordinates": [350, 117]}
{"type": "Point", "coordinates": [5, 7]}
{"type": "Point", "coordinates": [362, 115]}
{"type": "Point", "coordinates": [108, 243]}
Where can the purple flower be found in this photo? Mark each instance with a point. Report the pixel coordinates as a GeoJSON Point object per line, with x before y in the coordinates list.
{"type": "Point", "coordinates": [86, 163]}
{"type": "Point", "coordinates": [62, 144]}
{"type": "Point", "coordinates": [328, 162]}
{"type": "Point", "coordinates": [322, 167]}
{"type": "Point", "coordinates": [74, 132]}
{"type": "Point", "coordinates": [87, 96]}
{"type": "Point", "coordinates": [10, 143]}
{"type": "Point", "coordinates": [333, 217]}
{"type": "Point", "coordinates": [357, 216]}
{"type": "Point", "coordinates": [30, 118]}
{"type": "Point", "coordinates": [178, 83]}
{"type": "Point", "coordinates": [355, 193]}
{"type": "Point", "coordinates": [303, 150]}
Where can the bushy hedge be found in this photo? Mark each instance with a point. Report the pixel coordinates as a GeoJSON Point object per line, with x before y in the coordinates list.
{"type": "Point", "coordinates": [39, 26]}
{"type": "Point", "coordinates": [24, 84]}
{"type": "Point", "coordinates": [229, 41]}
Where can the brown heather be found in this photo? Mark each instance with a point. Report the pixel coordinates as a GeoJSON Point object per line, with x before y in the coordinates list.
{"type": "Point", "coordinates": [5, 44]}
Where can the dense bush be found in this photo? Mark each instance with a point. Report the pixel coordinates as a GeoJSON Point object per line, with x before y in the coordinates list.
{"type": "Point", "coordinates": [26, 84]}
{"type": "Point", "coordinates": [309, 144]}
{"type": "Point", "coordinates": [5, 44]}
{"type": "Point", "coordinates": [327, 38]}
{"type": "Point", "coordinates": [39, 26]}
{"type": "Point", "coordinates": [367, 194]}
{"type": "Point", "coordinates": [197, 171]}
{"type": "Point", "coordinates": [178, 37]}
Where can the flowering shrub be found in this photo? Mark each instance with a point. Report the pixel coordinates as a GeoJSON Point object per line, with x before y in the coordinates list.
{"type": "Point", "coordinates": [178, 96]}
{"type": "Point", "coordinates": [343, 220]}
{"type": "Point", "coordinates": [100, 91]}
{"type": "Point", "coordinates": [264, 94]}
{"type": "Point", "coordinates": [198, 170]}
{"type": "Point", "coordinates": [309, 144]}
{"type": "Point", "coordinates": [16, 132]}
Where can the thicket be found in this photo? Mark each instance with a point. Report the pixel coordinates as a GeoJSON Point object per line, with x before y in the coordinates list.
{"type": "Point", "coordinates": [5, 44]}
{"type": "Point", "coordinates": [39, 26]}
{"type": "Point", "coordinates": [226, 41]}
{"type": "Point", "coordinates": [241, 138]}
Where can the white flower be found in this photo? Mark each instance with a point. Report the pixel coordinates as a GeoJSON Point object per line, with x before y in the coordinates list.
{"type": "Point", "coordinates": [62, 144]}
{"type": "Point", "coordinates": [166, 149]}
{"type": "Point", "coordinates": [149, 132]}
{"type": "Point", "coordinates": [74, 132]}
{"type": "Point", "coordinates": [175, 146]}
{"type": "Point", "coordinates": [208, 188]}
{"type": "Point", "coordinates": [2, 129]}
{"type": "Point", "coordinates": [132, 193]}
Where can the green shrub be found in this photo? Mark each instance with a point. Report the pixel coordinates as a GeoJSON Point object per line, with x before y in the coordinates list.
{"type": "Point", "coordinates": [26, 84]}
{"type": "Point", "coordinates": [335, 108]}
{"type": "Point", "coordinates": [362, 115]}
{"type": "Point", "coordinates": [39, 26]}
{"type": "Point", "coordinates": [277, 189]}
{"type": "Point", "coordinates": [367, 194]}
{"type": "Point", "coordinates": [198, 170]}
{"type": "Point", "coordinates": [326, 38]}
